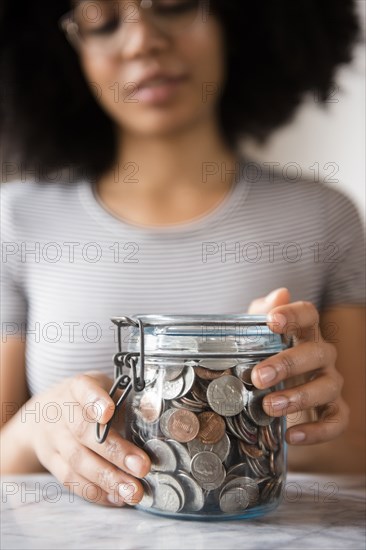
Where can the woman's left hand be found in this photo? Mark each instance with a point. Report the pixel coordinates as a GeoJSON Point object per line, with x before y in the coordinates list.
{"type": "Point", "coordinates": [312, 356]}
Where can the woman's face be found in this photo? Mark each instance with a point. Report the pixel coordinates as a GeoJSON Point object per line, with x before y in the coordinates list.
{"type": "Point", "coordinates": [196, 56]}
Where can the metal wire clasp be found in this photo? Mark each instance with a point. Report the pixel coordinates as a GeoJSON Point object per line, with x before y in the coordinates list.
{"type": "Point", "coordinates": [122, 379]}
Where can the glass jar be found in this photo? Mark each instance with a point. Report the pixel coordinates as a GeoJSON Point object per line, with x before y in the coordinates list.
{"type": "Point", "coordinates": [191, 406]}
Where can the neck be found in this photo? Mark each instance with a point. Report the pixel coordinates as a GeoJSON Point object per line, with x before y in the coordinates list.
{"type": "Point", "coordinates": [194, 158]}
{"type": "Point", "coordinates": [170, 179]}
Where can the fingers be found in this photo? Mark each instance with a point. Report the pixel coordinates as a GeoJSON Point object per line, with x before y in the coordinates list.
{"type": "Point", "coordinates": [87, 390]}
{"type": "Point", "coordinates": [87, 464]}
{"type": "Point", "coordinates": [77, 484]}
{"type": "Point", "coordinates": [333, 420]}
{"type": "Point", "coordinates": [120, 452]}
{"type": "Point", "coordinates": [323, 390]}
{"type": "Point", "coordinates": [263, 305]}
{"type": "Point", "coordinates": [305, 357]}
{"type": "Point", "coordinates": [299, 319]}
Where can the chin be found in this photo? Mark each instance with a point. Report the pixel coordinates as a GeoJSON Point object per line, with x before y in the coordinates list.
{"type": "Point", "coordinates": [162, 122]}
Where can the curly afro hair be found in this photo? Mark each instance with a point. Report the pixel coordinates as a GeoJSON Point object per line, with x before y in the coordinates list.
{"type": "Point", "coordinates": [278, 50]}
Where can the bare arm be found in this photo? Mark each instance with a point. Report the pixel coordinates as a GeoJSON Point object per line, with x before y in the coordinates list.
{"type": "Point", "coordinates": [16, 453]}
{"type": "Point", "coordinates": [346, 325]}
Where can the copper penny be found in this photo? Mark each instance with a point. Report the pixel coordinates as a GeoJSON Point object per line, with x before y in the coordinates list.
{"type": "Point", "coordinates": [207, 374]}
{"type": "Point", "coordinates": [250, 450]}
{"type": "Point", "coordinates": [212, 427]}
{"type": "Point", "coordinates": [183, 425]}
{"type": "Point", "coordinates": [150, 406]}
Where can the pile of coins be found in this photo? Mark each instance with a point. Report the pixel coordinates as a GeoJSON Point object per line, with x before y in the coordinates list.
{"type": "Point", "coordinates": [213, 448]}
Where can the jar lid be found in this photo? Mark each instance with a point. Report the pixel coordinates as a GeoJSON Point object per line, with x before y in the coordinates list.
{"type": "Point", "coordinates": [214, 335]}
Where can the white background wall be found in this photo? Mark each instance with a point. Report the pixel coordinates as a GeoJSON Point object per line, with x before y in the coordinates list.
{"type": "Point", "coordinates": [333, 134]}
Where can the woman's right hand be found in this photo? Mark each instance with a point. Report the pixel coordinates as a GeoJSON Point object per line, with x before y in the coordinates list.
{"type": "Point", "coordinates": [64, 441]}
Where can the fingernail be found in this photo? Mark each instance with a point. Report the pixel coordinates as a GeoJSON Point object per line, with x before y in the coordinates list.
{"type": "Point", "coordinates": [128, 491]}
{"type": "Point", "coordinates": [279, 402]}
{"type": "Point", "coordinates": [271, 295]}
{"type": "Point", "coordinates": [134, 463]}
{"type": "Point", "coordinates": [296, 437]}
{"type": "Point", "coordinates": [96, 410]}
{"type": "Point", "coordinates": [266, 374]}
{"type": "Point", "coordinates": [277, 318]}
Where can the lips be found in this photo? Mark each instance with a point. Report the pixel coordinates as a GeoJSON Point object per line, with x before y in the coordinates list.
{"type": "Point", "coordinates": [158, 87]}
{"type": "Point", "coordinates": [158, 78]}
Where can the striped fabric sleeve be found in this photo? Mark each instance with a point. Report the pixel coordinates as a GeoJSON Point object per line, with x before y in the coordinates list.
{"type": "Point", "coordinates": [343, 251]}
{"type": "Point", "coordinates": [13, 307]}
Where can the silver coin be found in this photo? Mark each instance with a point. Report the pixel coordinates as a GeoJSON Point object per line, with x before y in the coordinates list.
{"type": "Point", "coordinates": [182, 455]}
{"type": "Point", "coordinates": [167, 499]}
{"type": "Point", "coordinates": [194, 498]}
{"type": "Point", "coordinates": [255, 408]}
{"type": "Point", "coordinates": [148, 499]}
{"type": "Point", "coordinates": [259, 466]}
{"type": "Point", "coordinates": [248, 484]}
{"type": "Point", "coordinates": [221, 448]}
{"type": "Point", "coordinates": [172, 389]}
{"type": "Point", "coordinates": [234, 499]}
{"type": "Point", "coordinates": [227, 395]}
{"type": "Point", "coordinates": [162, 456]}
{"type": "Point", "coordinates": [244, 373]}
{"type": "Point", "coordinates": [163, 422]}
{"type": "Point", "coordinates": [212, 485]}
{"type": "Point", "coordinates": [172, 371]}
{"type": "Point", "coordinates": [218, 364]}
{"type": "Point", "coordinates": [239, 470]}
{"type": "Point", "coordinates": [188, 377]}
{"type": "Point", "coordinates": [206, 467]}
{"type": "Point", "coordinates": [167, 479]}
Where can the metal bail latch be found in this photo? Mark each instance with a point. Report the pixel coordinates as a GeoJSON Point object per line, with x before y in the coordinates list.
{"type": "Point", "coordinates": [123, 380]}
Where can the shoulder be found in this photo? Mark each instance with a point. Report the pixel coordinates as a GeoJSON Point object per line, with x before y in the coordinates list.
{"type": "Point", "coordinates": [294, 190]}
{"type": "Point", "coordinates": [27, 204]}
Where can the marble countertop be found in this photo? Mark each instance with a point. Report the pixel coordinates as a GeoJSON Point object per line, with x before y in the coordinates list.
{"type": "Point", "coordinates": [325, 512]}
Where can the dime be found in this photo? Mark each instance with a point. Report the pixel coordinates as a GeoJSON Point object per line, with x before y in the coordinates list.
{"type": "Point", "coordinates": [212, 427]}
{"type": "Point", "coordinates": [188, 377]}
{"type": "Point", "coordinates": [259, 466]}
{"type": "Point", "coordinates": [164, 421]}
{"type": "Point", "coordinates": [246, 483]}
{"type": "Point", "coordinates": [239, 470]}
{"type": "Point", "coordinates": [199, 393]}
{"type": "Point", "coordinates": [167, 479]}
{"type": "Point", "coordinates": [173, 388]}
{"type": "Point", "coordinates": [147, 499]}
{"type": "Point", "coordinates": [221, 448]}
{"type": "Point", "coordinates": [207, 469]}
{"type": "Point", "coordinates": [227, 395]}
{"type": "Point", "coordinates": [234, 499]}
{"type": "Point", "coordinates": [194, 500]}
{"type": "Point", "coordinates": [255, 408]}
{"type": "Point", "coordinates": [172, 371]}
{"type": "Point", "coordinates": [150, 406]}
{"type": "Point", "coordinates": [167, 498]}
{"type": "Point", "coordinates": [183, 425]}
{"type": "Point", "coordinates": [162, 456]}
{"type": "Point", "coordinates": [182, 455]}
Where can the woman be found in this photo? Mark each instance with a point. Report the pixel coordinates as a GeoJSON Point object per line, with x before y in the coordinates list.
{"type": "Point", "coordinates": [141, 104]}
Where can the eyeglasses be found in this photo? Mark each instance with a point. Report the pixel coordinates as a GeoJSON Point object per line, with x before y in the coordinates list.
{"type": "Point", "coordinates": [98, 25]}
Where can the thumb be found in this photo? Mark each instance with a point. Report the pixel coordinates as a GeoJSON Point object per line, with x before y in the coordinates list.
{"type": "Point", "coordinates": [90, 390]}
{"type": "Point", "coordinates": [278, 297]}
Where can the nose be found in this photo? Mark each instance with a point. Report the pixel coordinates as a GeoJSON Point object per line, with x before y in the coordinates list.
{"type": "Point", "coordinates": [141, 37]}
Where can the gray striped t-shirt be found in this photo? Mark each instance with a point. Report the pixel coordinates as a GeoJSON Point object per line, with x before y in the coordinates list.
{"type": "Point", "coordinates": [69, 265]}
